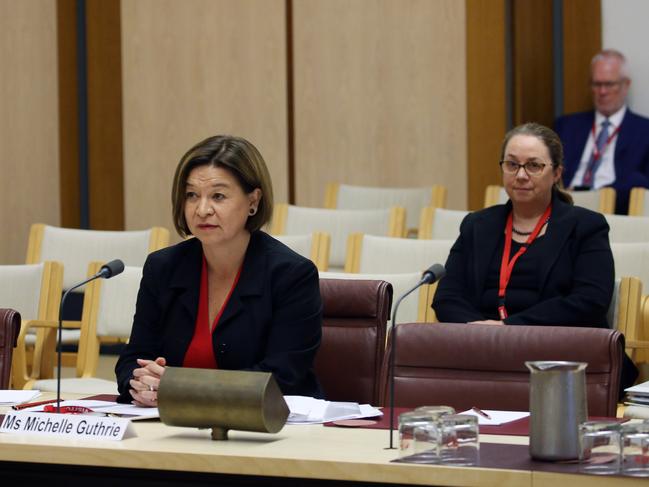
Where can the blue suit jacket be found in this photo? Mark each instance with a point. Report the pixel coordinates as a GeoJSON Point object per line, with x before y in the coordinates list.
{"type": "Point", "coordinates": [271, 323]}
{"type": "Point", "coordinates": [631, 151]}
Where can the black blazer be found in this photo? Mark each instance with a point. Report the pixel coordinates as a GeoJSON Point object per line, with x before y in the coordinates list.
{"type": "Point", "coordinates": [575, 280]}
{"type": "Point", "coordinates": [272, 322]}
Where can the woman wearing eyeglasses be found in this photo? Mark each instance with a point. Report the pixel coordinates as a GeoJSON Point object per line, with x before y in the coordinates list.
{"type": "Point", "coordinates": [536, 260]}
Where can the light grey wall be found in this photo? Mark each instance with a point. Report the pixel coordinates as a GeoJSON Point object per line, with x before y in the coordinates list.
{"type": "Point", "coordinates": [625, 28]}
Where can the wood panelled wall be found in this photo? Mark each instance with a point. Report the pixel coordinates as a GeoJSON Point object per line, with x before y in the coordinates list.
{"type": "Point", "coordinates": [192, 69]}
{"type": "Point", "coordinates": [582, 39]}
{"type": "Point", "coordinates": [375, 92]}
{"type": "Point", "coordinates": [29, 156]}
{"type": "Point", "coordinates": [486, 94]}
{"type": "Point", "coordinates": [379, 95]}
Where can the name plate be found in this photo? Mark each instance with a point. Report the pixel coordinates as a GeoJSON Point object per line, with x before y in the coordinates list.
{"type": "Point", "coordinates": [76, 426]}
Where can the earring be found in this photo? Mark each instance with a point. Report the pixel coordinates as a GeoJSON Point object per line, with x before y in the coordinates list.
{"type": "Point", "coordinates": [252, 211]}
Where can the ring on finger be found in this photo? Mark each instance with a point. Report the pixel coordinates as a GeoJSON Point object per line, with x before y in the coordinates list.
{"type": "Point", "coordinates": [151, 388]}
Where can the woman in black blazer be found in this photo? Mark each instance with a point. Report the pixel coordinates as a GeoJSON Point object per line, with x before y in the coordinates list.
{"type": "Point", "coordinates": [232, 297]}
{"type": "Point", "coordinates": [537, 260]}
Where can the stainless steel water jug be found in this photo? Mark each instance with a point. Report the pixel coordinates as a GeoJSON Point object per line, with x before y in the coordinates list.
{"type": "Point", "coordinates": [557, 407]}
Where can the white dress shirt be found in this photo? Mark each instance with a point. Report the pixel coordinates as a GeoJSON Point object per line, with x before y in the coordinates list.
{"type": "Point", "coordinates": [605, 174]}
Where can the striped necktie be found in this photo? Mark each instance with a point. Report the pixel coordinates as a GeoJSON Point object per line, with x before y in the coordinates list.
{"type": "Point", "coordinates": [596, 156]}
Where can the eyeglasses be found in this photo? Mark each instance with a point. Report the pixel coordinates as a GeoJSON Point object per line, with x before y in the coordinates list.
{"type": "Point", "coordinates": [609, 85]}
{"type": "Point", "coordinates": [532, 168]}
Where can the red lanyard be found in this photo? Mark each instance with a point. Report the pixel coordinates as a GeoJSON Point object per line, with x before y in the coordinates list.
{"type": "Point", "coordinates": [596, 152]}
{"type": "Point", "coordinates": [507, 265]}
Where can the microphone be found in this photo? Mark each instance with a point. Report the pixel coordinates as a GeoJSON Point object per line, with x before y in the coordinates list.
{"type": "Point", "coordinates": [431, 275]}
{"type": "Point", "coordinates": [111, 269]}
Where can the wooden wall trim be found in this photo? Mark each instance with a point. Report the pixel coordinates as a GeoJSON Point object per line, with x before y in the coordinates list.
{"type": "Point", "coordinates": [533, 63]}
{"type": "Point", "coordinates": [68, 113]}
{"type": "Point", "coordinates": [582, 39]}
{"type": "Point", "coordinates": [290, 104]}
{"type": "Point", "coordinates": [486, 97]}
{"type": "Point", "coordinates": [105, 121]}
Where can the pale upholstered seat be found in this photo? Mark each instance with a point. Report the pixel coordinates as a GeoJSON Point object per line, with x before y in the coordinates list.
{"type": "Point", "coordinates": [639, 202]}
{"type": "Point", "coordinates": [369, 254]}
{"type": "Point", "coordinates": [35, 292]}
{"type": "Point", "coordinates": [315, 246]}
{"type": "Point", "coordinates": [632, 259]}
{"type": "Point", "coordinates": [414, 308]}
{"type": "Point", "coordinates": [350, 197]}
{"type": "Point", "coordinates": [628, 229]}
{"type": "Point", "coordinates": [440, 223]}
{"type": "Point", "coordinates": [372, 254]}
{"type": "Point", "coordinates": [75, 249]}
{"type": "Point", "coordinates": [339, 224]}
{"type": "Point", "coordinates": [601, 200]}
{"type": "Point", "coordinates": [108, 310]}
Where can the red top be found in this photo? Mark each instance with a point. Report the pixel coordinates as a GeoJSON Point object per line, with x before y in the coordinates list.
{"type": "Point", "coordinates": [200, 353]}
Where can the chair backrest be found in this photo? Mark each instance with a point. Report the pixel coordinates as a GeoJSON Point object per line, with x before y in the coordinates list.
{"type": "Point", "coordinates": [385, 255]}
{"type": "Point", "coordinates": [440, 223]}
{"type": "Point", "coordinates": [632, 259]}
{"type": "Point", "coordinates": [462, 365]}
{"type": "Point", "coordinates": [601, 200]}
{"type": "Point", "coordinates": [298, 220]}
{"type": "Point", "coordinates": [414, 308]}
{"type": "Point", "coordinates": [348, 363]}
{"type": "Point", "coordinates": [639, 202]}
{"type": "Point", "coordinates": [75, 249]}
{"type": "Point", "coordinates": [495, 195]}
{"type": "Point", "coordinates": [315, 246]}
{"type": "Point", "coordinates": [628, 229]}
{"type": "Point", "coordinates": [9, 330]}
{"type": "Point", "coordinates": [34, 290]}
{"type": "Point", "coordinates": [108, 310]}
{"type": "Point", "coordinates": [350, 197]}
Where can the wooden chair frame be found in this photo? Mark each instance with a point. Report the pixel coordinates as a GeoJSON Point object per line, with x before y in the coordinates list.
{"type": "Point", "coordinates": [636, 202]}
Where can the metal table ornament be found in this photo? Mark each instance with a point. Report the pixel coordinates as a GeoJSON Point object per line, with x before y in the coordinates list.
{"type": "Point", "coordinates": [221, 400]}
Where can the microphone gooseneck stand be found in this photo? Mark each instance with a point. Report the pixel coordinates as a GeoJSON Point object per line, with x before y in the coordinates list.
{"type": "Point", "coordinates": [107, 271]}
{"type": "Point", "coordinates": [430, 275]}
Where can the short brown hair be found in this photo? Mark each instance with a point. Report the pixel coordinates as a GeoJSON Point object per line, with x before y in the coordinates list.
{"type": "Point", "coordinates": [551, 141]}
{"type": "Point", "coordinates": [237, 156]}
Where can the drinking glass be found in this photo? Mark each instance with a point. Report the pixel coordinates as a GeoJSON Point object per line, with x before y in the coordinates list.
{"type": "Point", "coordinates": [459, 442]}
{"type": "Point", "coordinates": [425, 443]}
{"type": "Point", "coordinates": [407, 424]}
{"type": "Point", "coordinates": [599, 447]}
{"type": "Point", "coordinates": [635, 449]}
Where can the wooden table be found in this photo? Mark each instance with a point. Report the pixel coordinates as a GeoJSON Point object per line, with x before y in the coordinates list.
{"type": "Point", "coordinates": [308, 454]}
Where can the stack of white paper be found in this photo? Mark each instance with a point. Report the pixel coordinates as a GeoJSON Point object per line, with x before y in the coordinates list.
{"type": "Point", "coordinates": [11, 398]}
{"type": "Point", "coordinates": [637, 401]}
{"type": "Point", "coordinates": [307, 410]}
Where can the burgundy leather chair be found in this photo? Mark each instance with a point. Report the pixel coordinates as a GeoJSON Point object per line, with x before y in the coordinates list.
{"type": "Point", "coordinates": [9, 330]}
{"type": "Point", "coordinates": [463, 365]}
{"type": "Point", "coordinates": [355, 314]}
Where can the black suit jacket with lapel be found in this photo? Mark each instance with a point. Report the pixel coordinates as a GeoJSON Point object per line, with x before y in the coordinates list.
{"type": "Point", "coordinates": [576, 280]}
{"type": "Point", "coordinates": [272, 322]}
